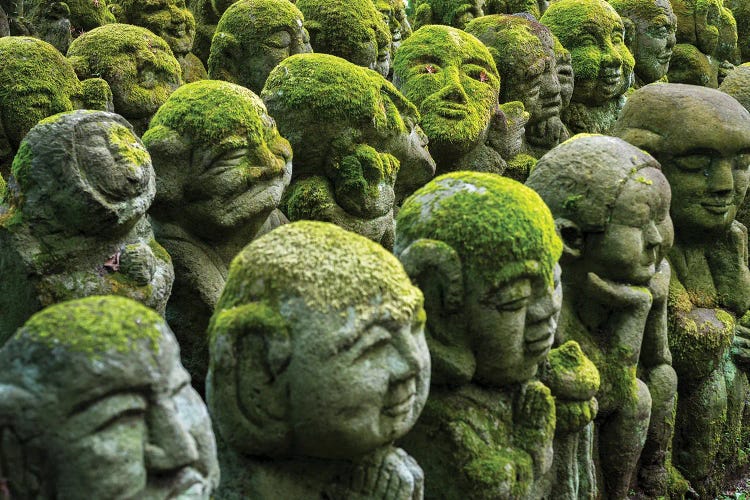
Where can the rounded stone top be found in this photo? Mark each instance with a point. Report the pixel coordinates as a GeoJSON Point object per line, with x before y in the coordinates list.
{"type": "Point", "coordinates": [327, 267]}
{"type": "Point", "coordinates": [737, 84]}
{"type": "Point", "coordinates": [565, 175]}
{"type": "Point", "coordinates": [250, 19]}
{"type": "Point", "coordinates": [500, 228]}
{"type": "Point", "coordinates": [644, 9]}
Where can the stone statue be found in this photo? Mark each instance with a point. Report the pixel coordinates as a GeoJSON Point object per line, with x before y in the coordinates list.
{"type": "Point", "coordinates": [394, 15]}
{"type": "Point", "coordinates": [252, 37]}
{"type": "Point", "coordinates": [484, 251]}
{"type": "Point", "coordinates": [59, 22]}
{"type": "Point", "coordinates": [525, 57]}
{"type": "Point", "coordinates": [611, 207]}
{"type": "Point", "coordinates": [451, 78]}
{"type": "Point", "coordinates": [207, 14]}
{"type": "Point", "coordinates": [72, 218]}
{"type": "Point", "coordinates": [455, 13]}
{"type": "Point", "coordinates": [94, 402]}
{"type": "Point", "coordinates": [593, 32]}
{"type": "Point", "coordinates": [36, 81]}
{"type": "Point", "coordinates": [318, 363]}
{"type": "Point", "coordinates": [221, 167]}
{"type": "Point", "coordinates": [706, 43]}
{"type": "Point", "coordinates": [172, 21]}
{"type": "Point", "coordinates": [564, 74]}
{"type": "Point", "coordinates": [741, 12]}
{"type": "Point", "coordinates": [650, 34]}
{"type": "Point", "coordinates": [365, 155]}
{"type": "Point", "coordinates": [706, 164]}
{"type": "Point", "coordinates": [138, 65]}
{"type": "Point", "coordinates": [351, 29]}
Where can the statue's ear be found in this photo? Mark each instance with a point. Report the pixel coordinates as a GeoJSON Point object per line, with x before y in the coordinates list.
{"type": "Point", "coordinates": [436, 269]}
{"type": "Point", "coordinates": [630, 32]}
{"type": "Point", "coordinates": [249, 349]}
{"type": "Point", "coordinates": [571, 236]}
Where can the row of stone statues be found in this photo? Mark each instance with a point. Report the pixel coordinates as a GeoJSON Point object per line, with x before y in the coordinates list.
{"type": "Point", "coordinates": [621, 367]}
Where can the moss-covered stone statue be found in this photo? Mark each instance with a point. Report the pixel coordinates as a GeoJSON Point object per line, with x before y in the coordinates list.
{"type": "Point", "coordinates": [318, 363]}
{"type": "Point", "coordinates": [525, 57]}
{"type": "Point", "coordinates": [741, 12]}
{"type": "Point", "coordinates": [594, 34]}
{"type": "Point", "coordinates": [94, 402]}
{"type": "Point", "coordinates": [72, 218]}
{"type": "Point", "coordinates": [650, 34]}
{"type": "Point", "coordinates": [361, 150]}
{"type": "Point", "coordinates": [170, 20]}
{"type": "Point", "coordinates": [207, 14]}
{"type": "Point", "coordinates": [455, 13]}
{"type": "Point", "coordinates": [252, 37]}
{"type": "Point", "coordinates": [706, 43]}
{"type": "Point", "coordinates": [221, 167]}
{"type": "Point", "coordinates": [706, 164]}
{"type": "Point", "coordinates": [394, 14]}
{"type": "Point", "coordinates": [564, 74]}
{"type": "Point", "coordinates": [350, 29]}
{"type": "Point", "coordinates": [611, 207]}
{"type": "Point", "coordinates": [484, 251]}
{"type": "Point", "coordinates": [452, 79]}
{"type": "Point", "coordinates": [36, 81]}
{"type": "Point", "coordinates": [138, 65]}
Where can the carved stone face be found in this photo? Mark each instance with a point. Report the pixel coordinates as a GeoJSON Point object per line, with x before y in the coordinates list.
{"type": "Point", "coordinates": [394, 15]}
{"type": "Point", "coordinates": [252, 37]}
{"type": "Point", "coordinates": [356, 382]}
{"type": "Point", "coordinates": [139, 67]}
{"type": "Point", "coordinates": [564, 73]}
{"type": "Point", "coordinates": [594, 33]}
{"type": "Point", "coordinates": [512, 325]}
{"type": "Point", "coordinates": [115, 422]}
{"type": "Point", "coordinates": [628, 250]}
{"type": "Point", "coordinates": [169, 19]}
{"type": "Point", "coordinates": [451, 78]}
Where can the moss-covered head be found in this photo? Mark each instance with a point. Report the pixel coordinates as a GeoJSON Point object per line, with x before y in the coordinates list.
{"type": "Point", "coordinates": [351, 29]}
{"type": "Point", "coordinates": [252, 37]}
{"type": "Point", "coordinates": [36, 81]}
{"type": "Point", "coordinates": [169, 19]}
{"type": "Point", "coordinates": [138, 65]}
{"type": "Point", "coordinates": [455, 13]}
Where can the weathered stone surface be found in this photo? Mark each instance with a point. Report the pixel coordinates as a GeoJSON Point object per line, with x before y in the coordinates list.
{"type": "Point", "coordinates": [318, 363]}
{"type": "Point", "coordinates": [72, 218]}
{"type": "Point", "coordinates": [94, 402]}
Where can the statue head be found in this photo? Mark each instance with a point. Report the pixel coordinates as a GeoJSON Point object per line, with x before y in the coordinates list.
{"type": "Point", "coordinates": [221, 164]}
{"type": "Point", "coordinates": [394, 15]}
{"type": "Point", "coordinates": [524, 53]}
{"type": "Point", "coordinates": [594, 33]}
{"type": "Point", "coordinates": [455, 13]}
{"type": "Point", "coordinates": [36, 81]}
{"type": "Point", "coordinates": [707, 25]}
{"type": "Point", "coordinates": [94, 398]}
{"type": "Point", "coordinates": [452, 79]}
{"type": "Point", "coordinates": [650, 34]}
{"type": "Point", "coordinates": [564, 72]}
{"type": "Point", "coordinates": [611, 207]}
{"type": "Point", "coordinates": [317, 346]}
{"type": "Point", "coordinates": [737, 84]}
{"type": "Point", "coordinates": [706, 162]}
{"type": "Point", "coordinates": [169, 19]}
{"type": "Point", "coordinates": [484, 251]}
{"type": "Point", "coordinates": [138, 65]}
{"type": "Point", "coordinates": [348, 106]}
{"type": "Point", "coordinates": [81, 172]}
{"type": "Point", "coordinates": [350, 29]}
{"type": "Point", "coordinates": [252, 37]}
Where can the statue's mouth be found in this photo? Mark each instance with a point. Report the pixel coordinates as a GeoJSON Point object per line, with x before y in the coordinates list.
{"type": "Point", "coordinates": [402, 407]}
{"type": "Point", "coordinates": [451, 110]}
{"type": "Point", "coordinates": [665, 58]}
{"type": "Point", "coordinates": [717, 207]}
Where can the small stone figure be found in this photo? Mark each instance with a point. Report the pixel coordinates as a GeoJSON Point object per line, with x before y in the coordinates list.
{"type": "Point", "coordinates": [650, 34]}
{"type": "Point", "coordinates": [706, 164]}
{"type": "Point", "coordinates": [252, 37]}
{"type": "Point", "coordinates": [594, 33]}
{"type": "Point", "coordinates": [525, 57]}
{"type": "Point", "coordinates": [452, 79]}
{"type": "Point", "coordinates": [138, 65]}
{"type": "Point", "coordinates": [706, 43]}
{"type": "Point", "coordinates": [351, 29]}
{"type": "Point", "coordinates": [483, 249]}
{"type": "Point", "coordinates": [36, 81]}
{"type": "Point", "coordinates": [207, 14]}
{"type": "Point", "coordinates": [611, 207]}
{"type": "Point", "coordinates": [318, 363]}
{"type": "Point", "coordinates": [394, 15]}
{"type": "Point", "coordinates": [72, 218]}
{"type": "Point", "coordinates": [172, 21]}
{"type": "Point", "coordinates": [221, 167]}
{"type": "Point", "coordinates": [455, 13]}
{"type": "Point", "coordinates": [59, 22]}
{"type": "Point", "coordinates": [94, 403]}
{"type": "Point", "coordinates": [367, 152]}
{"type": "Point", "coordinates": [741, 12]}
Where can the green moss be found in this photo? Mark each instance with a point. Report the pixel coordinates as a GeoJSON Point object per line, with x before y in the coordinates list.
{"type": "Point", "coordinates": [638, 9]}
{"type": "Point", "coordinates": [250, 21]}
{"type": "Point", "coordinates": [308, 199]}
{"type": "Point", "coordinates": [123, 138]}
{"type": "Point", "coordinates": [571, 372]}
{"type": "Point", "coordinates": [643, 180]}
{"type": "Point", "coordinates": [95, 94]}
{"type": "Point", "coordinates": [208, 111]}
{"type": "Point", "coordinates": [159, 251]}
{"type": "Point", "coordinates": [85, 15]}
{"type": "Point", "coordinates": [519, 167]}
{"type": "Point", "coordinates": [95, 326]}
{"type": "Point", "coordinates": [329, 268]}
{"type": "Point", "coordinates": [571, 202]}
{"type": "Point", "coordinates": [499, 228]}
{"type": "Point", "coordinates": [447, 12]}
{"type": "Point", "coordinates": [22, 165]}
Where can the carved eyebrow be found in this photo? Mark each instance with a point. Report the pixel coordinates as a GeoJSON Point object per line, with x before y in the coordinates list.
{"type": "Point", "coordinates": [428, 58]}
{"type": "Point", "coordinates": [86, 404]}
{"type": "Point", "coordinates": [478, 62]}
